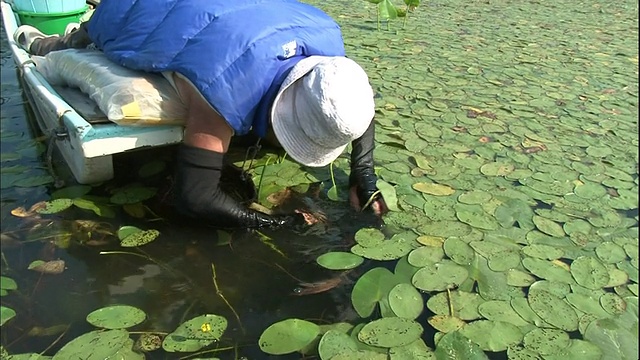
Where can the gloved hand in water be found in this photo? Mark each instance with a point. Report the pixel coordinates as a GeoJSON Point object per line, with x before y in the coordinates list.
{"type": "Point", "coordinates": [362, 180]}
{"type": "Point", "coordinates": [198, 195]}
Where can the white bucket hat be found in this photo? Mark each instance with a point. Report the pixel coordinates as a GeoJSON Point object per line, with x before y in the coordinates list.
{"type": "Point", "coordinates": [322, 105]}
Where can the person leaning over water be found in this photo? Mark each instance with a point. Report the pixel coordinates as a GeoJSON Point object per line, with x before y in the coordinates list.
{"type": "Point", "coordinates": [271, 67]}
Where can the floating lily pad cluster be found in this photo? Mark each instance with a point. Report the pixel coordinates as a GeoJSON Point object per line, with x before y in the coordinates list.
{"type": "Point", "coordinates": [516, 186]}
{"type": "Point", "coordinates": [112, 339]}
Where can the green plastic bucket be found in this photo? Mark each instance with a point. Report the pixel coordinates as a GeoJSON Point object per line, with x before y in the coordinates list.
{"type": "Point", "coordinates": [51, 23]}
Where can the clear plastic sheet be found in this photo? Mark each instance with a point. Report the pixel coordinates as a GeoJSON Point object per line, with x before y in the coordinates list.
{"type": "Point", "coordinates": [127, 97]}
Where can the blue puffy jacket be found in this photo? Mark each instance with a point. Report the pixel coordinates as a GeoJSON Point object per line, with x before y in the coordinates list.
{"type": "Point", "coordinates": [233, 51]}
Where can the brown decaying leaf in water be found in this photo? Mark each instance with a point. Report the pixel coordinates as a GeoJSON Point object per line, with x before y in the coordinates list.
{"type": "Point", "coordinates": [22, 212]}
{"type": "Point", "coordinates": [472, 114]}
{"type": "Point", "coordinates": [53, 267]}
{"type": "Point", "coordinates": [318, 286]}
{"type": "Point", "coordinates": [613, 192]}
{"type": "Point", "coordinates": [534, 149]}
{"type": "Point", "coordinates": [484, 139]}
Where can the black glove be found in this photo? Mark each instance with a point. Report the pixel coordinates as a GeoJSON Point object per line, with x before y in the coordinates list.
{"type": "Point", "coordinates": [362, 174]}
{"type": "Point", "coordinates": [198, 195]}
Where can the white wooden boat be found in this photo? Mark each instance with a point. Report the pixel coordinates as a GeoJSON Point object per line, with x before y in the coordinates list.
{"type": "Point", "coordinates": [83, 134]}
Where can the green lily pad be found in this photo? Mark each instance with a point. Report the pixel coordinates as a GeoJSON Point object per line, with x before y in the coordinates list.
{"type": "Point", "coordinates": [99, 344]}
{"type": "Point", "coordinates": [7, 283]}
{"type": "Point", "coordinates": [577, 349]}
{"type": "Point", "coordinates": [125, 231]}
{"type": "Point", "coordinates": [391, 249]}
{"type": "Point", "coordinates": [540, 251]}
{"type": "Point", "coordinates": [546, 341]}
{"type": "Point", "coordinates": [613, 303]}
{"type": "Point", "coordinates": [369, 237]}
{"type": "Point", "coordinates": [492, 335]}
{"type": "Point", "coordinates": [577, 225]}
{"type": "Point", "coordinates": [370, 288]}
{"type": "Point", "coordinates": [425, 255]}
{"type": "Point", "coordinates": [133, 194]}
{"type": "Point", "coordinates": [334, 342]}
{"type": "Point", "coordinates": [440, 276]}
{"type": "Point", "coordinates": [390, 332]}
{"type": "Point", "coordinates": [553, 310]}
{"type": "Point", "coordinates": [500, 310]}
{"type": "Point", "coordinates": [405, 301]}
{"type": "Point", "coordinates": [444, 228]}
{"type": "Point", "coordinates": [6, 314]}
{"type": "Point", "coordinates": [446, 323]}
{"type": "Point", "coordinates": [616, 337]}
{"type": "Point", "coordinates": [558, 188]}
{"type": "Point", "coordinates": [139, 238]}
{"type": "Point", "coordinates": [556, 288]}
{"type": "Point", "coordinates": [116, 317]}
{"type": "Point", "coordinates": [97, 208]}
{"type": "Point", "coordinates": [515, 210]}
{"type": "Point", "coordinates": [339, 260]}
{"type": "Point", "coordinates": [497, 169]}
{"type": "Point", "coordinates": [548, 270]}
{"type": "Point", "coordinates": [548, 227]}
{"type": "Point", "coordinates": [475, 216]}
{"type": "Point", "coordinates": [475, 197]}
{"type": "Point", "coordinates": [464, 304]}
{"type": "Point", "coordinates": [359, 355]}
{"type": "Point", "coordinates": [503, 260]}
{"type": "Point", "coordinates": [521, 306]}
{"type": "Point", "coordinates": [599, 151]}
{"type": "Point", "coordinates": [417, 350]}
{"type": "Point", "coordinates": [590, 191]}
{"type": "Point", "coordinates": [197, 333]}
{"type": "Point", "coordinates": [610, 252]}
{"type": "Point", "coordinates": [626, 200]}
{"type": "Point", "coordinates": [388, 192]}
{"type": "Point", "coordinates": [433, 189]}
{"type": "Point", "coordinates": [519, 352]}
{"type": "Point", "coordinates": [458, 251]}
{"type": "Point", "coordinates": [55, 206]}
{"type": "Point", "coordinates": [589, 272]}
{"type": "Point", "coordinates": [454, 345]}
{"type": "Point", "coordinates": [617, 277]}
{"type": "Point", "coordinates": [519, 278]}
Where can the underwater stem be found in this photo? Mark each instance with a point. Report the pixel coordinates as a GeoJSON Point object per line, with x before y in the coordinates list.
{"type": "Point", "coordinates": [264, 168]}
{"type": "Point", "coordinates": [333, 179]}
{"type": "Point", "coordinates": [406, 15]}
{"type": "Point", "coordinates": [4, 260]}
{"type": "Point", "coordinates": [56, 340]}
{"type": "Point", "coordinates": [370, 199]}
{"type": "Point", "coordinates": [219, 292]}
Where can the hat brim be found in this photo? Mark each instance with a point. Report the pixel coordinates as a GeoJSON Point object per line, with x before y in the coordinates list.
{"type": "Point", "coordinates": [286, 125]}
